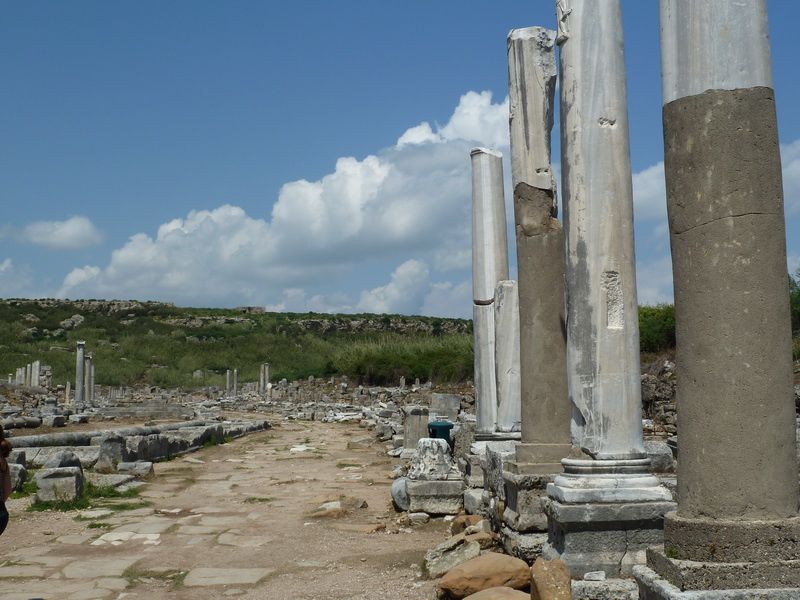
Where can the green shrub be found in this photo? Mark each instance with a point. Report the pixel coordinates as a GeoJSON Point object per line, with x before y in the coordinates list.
{"type": "Point", "coordinates": [656, 328]}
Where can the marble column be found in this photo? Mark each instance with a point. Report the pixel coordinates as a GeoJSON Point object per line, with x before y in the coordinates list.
{"type": "Point", "coordinates": [235, 382]}
{"type": "Point", "coordinates": [80, 364]}
{"type": "Point", "coordinates": [91, 382]}
{"type": "Point", "coordinates": [227, 382]}
{"type": "Point", "coordinates": [87, 376]}
{"type": "Point", "coordinates": [506, 349]}
{"type": "Point", "coordinates": [738, 498]}
{"type": "Point", "coordinates": [545, 404]}
{"type": "Point", "coordinates": [606, 507]}
{"type": "Point", "coordinates": [66, 393]}
{"type": "Point", "coordinates": [489, 266]}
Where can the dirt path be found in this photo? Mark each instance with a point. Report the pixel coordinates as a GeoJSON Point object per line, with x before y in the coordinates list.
{"type": "Point", "coordinates": [236, 525]}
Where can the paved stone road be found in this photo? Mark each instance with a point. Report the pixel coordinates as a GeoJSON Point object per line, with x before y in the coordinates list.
{"type": "Point", "coordinates": [231, 521]}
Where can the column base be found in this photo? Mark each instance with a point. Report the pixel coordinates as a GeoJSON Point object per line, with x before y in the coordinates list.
{"type": "Point", "coordinates": [619, 480]}
{"type": "Point", "coordinates": [525, 485]}
{"type": "Point", "coordinates": [654, 586]}
{"type": "Point", "coordinates": [610, 537]}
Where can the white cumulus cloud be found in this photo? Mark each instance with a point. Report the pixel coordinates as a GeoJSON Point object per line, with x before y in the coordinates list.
{"type": "Point", "coordinates": [75, 232]}
{"type": "Point", "coordinates": [409, 200]}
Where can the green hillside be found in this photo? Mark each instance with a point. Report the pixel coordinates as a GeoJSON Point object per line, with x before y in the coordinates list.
{"type": "Point", "coordinates": [160, 344]}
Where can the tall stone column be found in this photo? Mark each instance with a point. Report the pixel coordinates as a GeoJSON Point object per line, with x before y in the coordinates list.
{"type": "Point", "coordinates": [235, 382]}
{"type": "Point", "coordinates": [545, 404]}
{"type": "Point", "coordinates": [489, 266]}
{"type": "Point", "coordinates": [227, 382]}
{"type": "Point", "coordinates": [506, 348]}
{"type": "Point", "coordinates": [87, 378]}
{"type": "Point", "coordinates": [737, 487]}
{"type": "Point", "coordinates": [91, 382]}
{"type": "Point", "coordinates": [80, 360]}
{"type": "Point", "coordinates": [606, 508]}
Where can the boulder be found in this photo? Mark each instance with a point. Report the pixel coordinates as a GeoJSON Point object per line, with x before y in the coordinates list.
{"type": "Point", "coordinates": [499, 593]}
{"type": "Point", "coordinates": [449, 554]}
{"type": "Point", "coordinates": [400, 494]}
{"type": "Point", "coordinates": [486, 571]}
{"type": "Point", "coordinates": [432, 461]}
{"type": "Point", "coordinates": [64, 458]}
{"type": "Point", "coordinates": [461, 522]}
{"type": "Point", "coordinates": [660, 454]}
{"type": "Point", "coordinates": [112, 451]}
{"type": "Point", "coordinates": [62, 484]}
{"type": "Point", "coordinates": [550, 580]}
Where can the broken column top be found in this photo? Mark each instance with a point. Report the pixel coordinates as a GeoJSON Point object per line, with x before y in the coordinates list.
{"type": "Point", "coordinates": [489, 238]}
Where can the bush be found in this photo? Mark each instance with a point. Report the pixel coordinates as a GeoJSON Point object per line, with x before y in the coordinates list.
{"type": "Point", "coordinates": [656, 328]}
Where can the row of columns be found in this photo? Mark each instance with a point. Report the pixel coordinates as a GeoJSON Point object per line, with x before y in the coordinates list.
{"type": "Point", "coordinates": [578, 311]}
{"type": "Point", "coordinates": [28, 376]}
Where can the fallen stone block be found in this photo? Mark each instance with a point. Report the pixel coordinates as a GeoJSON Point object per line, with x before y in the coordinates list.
{"type": "Point", "coordinates": [111, 480]}
{"type": "Point", "coordinates": [486, 571]}
{"type": "Point", "coordinates": [610, 589]}
{"type": "Point", "coordinates": [140, 469]}
{"type": "Point", "coordinates": [436, 497]}
{"type": "Point", "coordinates": [62, 458]}
{"type": "Point", "coordinates": [473, 501]}
{"type": "Point", "coordinates": [54, 421]}
{"type": "Point", "coordinates": [59, 485]}
{"type": "Point", "coordinates": [449, 554]}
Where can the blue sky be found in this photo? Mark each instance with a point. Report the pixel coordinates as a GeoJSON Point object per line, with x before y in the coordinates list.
{"type": "Point", "coordinates": [219, 154]}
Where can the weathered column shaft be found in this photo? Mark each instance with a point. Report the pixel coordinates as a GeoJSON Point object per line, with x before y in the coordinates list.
{"type": "Point", "coordinates": [546, 408]}
{"type": "Point", "coordinates": [235, 382]}
{"type": "Point", "coordinates": [489, 266]}
{"type": "Point", "coordinates": [728, 238]}
{"type": "Point", "coordinates": [506, 351]}
{"type": "Point", "coordinates": [227, 382]}
{"type": "Point", "coordinates": [602, 318]}
{"type": "Point", "coordinates": [80, 360]}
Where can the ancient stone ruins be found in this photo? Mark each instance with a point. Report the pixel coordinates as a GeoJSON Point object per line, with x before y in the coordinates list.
{"type": "Point", "coordinates": [546, 480]}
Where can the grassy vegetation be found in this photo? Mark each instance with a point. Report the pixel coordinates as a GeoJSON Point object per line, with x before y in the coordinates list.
{"type": "Point", "coordinates": [160, 344]}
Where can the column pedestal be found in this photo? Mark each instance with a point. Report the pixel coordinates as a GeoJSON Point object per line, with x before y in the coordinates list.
{"type": "Point", "coordinates": [604, 514]}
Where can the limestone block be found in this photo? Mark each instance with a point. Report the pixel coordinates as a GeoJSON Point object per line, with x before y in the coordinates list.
{"type": "Point", "coordinates": [450, 553]}
{"type": "Point", "coordinates": [139, 469]}
{"type": "Point", "coordinates": [525, 546]}
{"type": "Point", "coordinates": [484, 572]}
{"type": "Point", "coordinates": [550, 580]}
{"type": "Point", "coordinates": [432, 461]}
{"type": "Point", "coordinates": [59, 484]}
{"type": "Point", "coordinates": [436, 497]}
{"type": "Point", "coordinates": [62, 458]}
{"type": "Point", "coordinates": [609, 589]}
{"type": "Point", "coordinates": [473, 501]}
{"type": "Point", "coordinates": [54, 421]}
{"type": "Point", "coordinates": [660, 454]}
{"type": "Point", "coordinates": [415, 424]}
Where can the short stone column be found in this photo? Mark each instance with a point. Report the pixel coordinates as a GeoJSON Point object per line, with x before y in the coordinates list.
{"type": "Point", "coordinates": [80, 367]}
{"type": "Point", "coordinates": [489, 266]}
{"type": "Point", "coordinates": [545, 405]}
{"type": "Point", "coordinates": [736, 527]}
{"type": "Point", "coordinates": [506, 352]}
{"type": "Point", "coordinates": [415, 427]}
{"type": "Point", "coordinates": [607, 507]}
{"type": "Point", "coordinates": [67, 393]}
{"type": "Point", "coordinates": [87, 378]}
{"type": "Point", "coordinates": [36, 367]}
